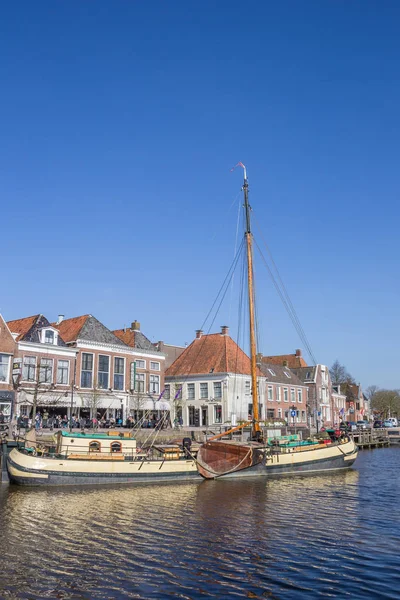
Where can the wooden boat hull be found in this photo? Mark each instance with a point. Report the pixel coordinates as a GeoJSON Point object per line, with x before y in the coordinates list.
{"type": "Point", "coordinates": [25, 469]}
{"type": "Point", "coordinates": [217, 459]}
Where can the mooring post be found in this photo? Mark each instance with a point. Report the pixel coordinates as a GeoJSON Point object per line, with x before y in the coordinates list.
{"type": "Point", "coordinates": [4, 473]}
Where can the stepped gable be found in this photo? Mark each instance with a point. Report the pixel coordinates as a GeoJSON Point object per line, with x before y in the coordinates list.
{"type": "Point", "coordinates": [279, 376]}
{"type": "Point", "coordinates": [212, 353]}
{"type": "Point", "coordinates": [87, 327]}
{"type": "Point", "coordinates": [28, 329]}
{"type": "Point", "coordinates": [292, 361]}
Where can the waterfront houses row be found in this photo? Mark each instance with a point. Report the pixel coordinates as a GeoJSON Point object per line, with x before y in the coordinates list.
{"type": "Point", "coordinates": [77, 366]}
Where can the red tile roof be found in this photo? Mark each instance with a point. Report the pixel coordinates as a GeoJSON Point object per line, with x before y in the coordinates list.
{"type": "Point", "coordinates": [126, 335]}
{"type": "Point", "coordinates": [22, 326]}
{"type": "Point", "coordinates": [213, 353]}
{"type": "Point", "coordinates": [293, 361]}
{"type": "Point", "coordinates": [70, 328]}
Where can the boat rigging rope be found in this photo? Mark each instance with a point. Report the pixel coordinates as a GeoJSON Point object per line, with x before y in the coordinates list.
{"type": "Point", "coordinates": [222, 292]}
{"type": "Point", "coordinates": [286, 301]}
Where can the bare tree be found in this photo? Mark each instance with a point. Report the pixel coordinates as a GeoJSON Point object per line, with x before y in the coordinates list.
{"type": "Point", "coordinates": [371, 391]}
{"type": "Point", "coordinates": [386, 402]}
{"type": "Point", "coordinates": [137, 402]}
{"type": "Point", "coordinates": [43, 393]}
{"type": "Point", "coordinates": [339, 374]}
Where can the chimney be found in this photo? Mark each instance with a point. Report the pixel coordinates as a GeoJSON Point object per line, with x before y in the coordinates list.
{"type": "Point", "coordinates": [298, 352]}
{"type": "Point", "coordinates": [285, 363]}
{"type": "Point", "coordinates": [224, 330]}
{"type": "Point", "coordinates": [60, 318]}
{"type": "Point", "coordinates": [135, 326]}
{"type": "Point", "coordinates": [199, 333]}
{"type": "Point", "coordinates": [259, 358]}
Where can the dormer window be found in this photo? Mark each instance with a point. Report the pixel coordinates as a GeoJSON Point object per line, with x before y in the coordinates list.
{"type": "Point", "coordinates": [272, 372]}
{"type": "Point", "coordinates": [49, 336]}
{"type": "Point", "coordinates": [288, 375]}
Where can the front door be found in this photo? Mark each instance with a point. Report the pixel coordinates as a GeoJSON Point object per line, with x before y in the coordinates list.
{"type": "Point", "coordinates": [204, 416]}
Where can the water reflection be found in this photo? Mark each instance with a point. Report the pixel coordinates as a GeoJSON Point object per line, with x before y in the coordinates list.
{"type": "Point", "coordinates": [286, 538]}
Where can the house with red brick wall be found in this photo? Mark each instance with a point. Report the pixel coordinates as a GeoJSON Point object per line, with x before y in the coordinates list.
{"type": "Point", "coordinates": [118, 373]}
{"type": "Point", "coordinates": [285, 394]}
{"type": "Point", "coordinates": [321, 406]}
{"type": "Point", "coordinates": [293, 361]}
{"type": "Point", "coordinates": [44, 371]}
{"type": "Point", "coordinates": [7, 353]}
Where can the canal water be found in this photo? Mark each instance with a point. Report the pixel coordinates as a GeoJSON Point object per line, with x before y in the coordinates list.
{"type": "Point", "coordinates": [331, 536]}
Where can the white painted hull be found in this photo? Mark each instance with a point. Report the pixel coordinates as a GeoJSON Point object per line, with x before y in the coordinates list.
{"type": "Point", "coordinates": [257, 462]}
{"type": "Point", "coordinates": [25, 469]}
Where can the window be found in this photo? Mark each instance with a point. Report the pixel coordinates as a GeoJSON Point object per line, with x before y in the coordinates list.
{"type": "Point", "coordinates": [103, 372]}
{"type": "Point", "coordinates": [49, 336]}
{"type": "Point", "coordinates": [250, 411]}
{"type": "Point", "coordinates": [154, 384]}
{"type": "Point", "coordinates": [63, 372]}
{"type": "Point", "coordinates": [270, 392]}
{"type": "Point", "coordinates": [272, 372]}
{"type": "Point", "coordinates": [29, 368]}
{"type": "Point", "coordinates": [300, 396]}
{"type": "Point", "coordinates": [270, 413]}
{"type": "Point", "coordinates": [288, 375]}
{"type": "Point", "coordinates": [167, 392]}
{"type": "Point", "coordinates": [140, 382]}
{"type": "Point", "coordinates": [303, 416]}
{"type": "Point", "coordinates": [204, 390]}
{"type": "Point", "coordinates": [308, 374]}
{"type": "Point", "coordinates": [116, 447]}
{"type": "Point", "coordinates": [87, 370]}
{"type": "Point", "coordinates": [155, 366]}
{"type": "Point", "coordinates": [190, 391]}
{"type": "Point", "coordinates": [140, 364]}
{"type": "Point", "coordinates": [292, 395]}
{"type": "Point", "coordinates": [4, 367]}
{"type": "Point", "coordinates": [285, 395]}
{"type": "Point", "coordinates": [218, 413]}
{"type": "Point", "coordinates": [94, 447]}
{"type": "Point", "coordinates": [46, 370]}
{"type": "Point", "coordinates": [217, 389]}
{"type": "Point", "coordinates": [119, 367]}
{"type": "Point", "coordinates": [247, 386]}
{"type": "Point", "coordinates": [279, 413]}
{"type": "Point", "coordinates": [178, 391]}
{"type": "Point", "coordinates": [278, 394]}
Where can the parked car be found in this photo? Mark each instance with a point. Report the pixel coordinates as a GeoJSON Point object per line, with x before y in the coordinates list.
{"type": "Point", "coordinates": [363, 425]}
{"type": "Point", "coordinates": [388, 423]}
{"type": "Point", "coordinates": [378, 424]}
{"type": "Point", "coordinates": [348, 426]}
{"type": "Point", "coordinates": [393, 420]}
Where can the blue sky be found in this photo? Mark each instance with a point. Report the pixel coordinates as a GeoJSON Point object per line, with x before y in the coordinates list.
{"type": "Point", "coordinates": [120, 121]}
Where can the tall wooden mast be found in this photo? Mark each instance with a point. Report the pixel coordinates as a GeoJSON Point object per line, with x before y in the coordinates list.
{"type": "Point", "coordinates": [250, 281]}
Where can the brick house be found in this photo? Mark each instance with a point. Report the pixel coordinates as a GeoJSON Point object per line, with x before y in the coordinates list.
{"type": "Point", "coordinates": [284, 390]}
{"type": "Point", "coordinates": [8, 348]}
{"type": "Point", "coordinates": [118, 373]}
{"type": "Point", "coordinates": [46, 366]}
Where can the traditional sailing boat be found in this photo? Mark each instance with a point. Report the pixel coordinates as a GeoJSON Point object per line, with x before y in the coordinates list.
{"type": "Point", "coordinates": [228, 458]}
